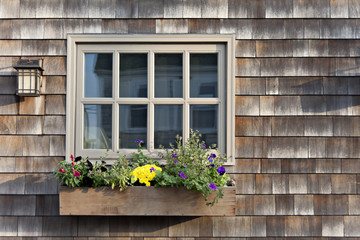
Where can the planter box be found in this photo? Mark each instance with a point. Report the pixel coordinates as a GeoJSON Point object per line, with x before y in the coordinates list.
{"type": "Point", "coordinates": [141, 201]}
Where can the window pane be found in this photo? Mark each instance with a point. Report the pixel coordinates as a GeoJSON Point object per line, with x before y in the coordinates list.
{"type": "Point", "coordinates": [98, 74]}
{"type": "Point", "coordinates": [133, 75]}
{"type": "Point", "coordinates": [205, 119]}
{"type": "Point", "coordinates": [132, 125]}
{"type": "Point", "coordinates": [203, 75]}
{"type": "Point", "coordinates": [168, 75]}
{"type": "Point", "coordinates": [168, 124]}
{"type": "Point", "coordinates": [97, 126]}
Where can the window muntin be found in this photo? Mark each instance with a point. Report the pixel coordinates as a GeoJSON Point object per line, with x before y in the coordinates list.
{"type": "Point", "coordinates": [120, 134]}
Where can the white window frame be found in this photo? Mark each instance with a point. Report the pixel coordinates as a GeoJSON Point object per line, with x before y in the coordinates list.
{"type": "Point", "coordinates": [107, 42]}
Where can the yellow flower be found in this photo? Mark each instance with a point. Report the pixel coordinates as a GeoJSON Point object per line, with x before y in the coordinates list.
{"type": "Point", "coordinates": [145, 173]}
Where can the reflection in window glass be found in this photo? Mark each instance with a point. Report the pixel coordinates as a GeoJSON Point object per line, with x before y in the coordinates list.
{"type": "Point", "coordinates": [203, 75]}
{"type": "Point", "coordinates": [168, 124]}
{"type": "Point", "coordinates": [205, 119]}
{"type": "Point", "coordinates": [98, 74]}
{"type": "Point", "coordinates": [132, 125]}
{"type": "Point", "coordinates": [97, 126]}
{"type": "Point", "coordinates": [133, 75]}
{"type": "Point", "coordinates": [168, 75]}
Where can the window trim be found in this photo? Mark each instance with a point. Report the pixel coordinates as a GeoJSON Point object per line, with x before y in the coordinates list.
{"type": "Point", "coordinates": [72, 48]}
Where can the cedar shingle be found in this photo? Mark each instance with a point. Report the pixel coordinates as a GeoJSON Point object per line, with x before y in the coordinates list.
{"type": "Point", "coordinates": [354, 204]}
{"type": "Point", "coordinates": [9, 104]}
{"type": "Point", "coordinates": [274, 48]}
{"type": "Point", "coordinates": [311, 28]}
{"type": "Point", "coordinates": [10, 47]}
{"type": "Point", "coordinates": [245, 204]}
{"type": "Point", "coordinates": [50, 9]}
{"type": "Point", "coordinates": [55, 85]}
{"type": "Point", "coordinates": [300, 48]}
{"type": "Point", "coordinates": [319, 183]}
{"type": "Point", "coordinates": [53, 29]}
{"type": "Point", "coordinates": [311, 9]}
{"type": "Point", "coordinates": [252, 126]}
{"type": "Point", "coordinates": [8, 84]}
{"type": "Point", "coordinates": [57, 145]}
{"type": "Point", "coordinates": [54, 65]}
{"type": "Point", "coordinates": [267, 105]}
{"type": "Point", "coordinates": [11, 145]}
{"type": "Point", "coordinates": [92, 25]}
{"type": "Point", "coordinates": [28, 8]}
{"type": "Point", "coordinates": [286, 147]}
{"type": "Point", "coordinates": [173, 9]}
{"type": "Point", "coordinates": [303, 226]}
{"type": "Point", "coordinates": [47, 205]}
{"type": "Point", "coordinates": [268, 29]}
{"type": "Point", "coordinates": [338, 147]}
{"type": "Point", "coordinates": [352, 226]}
{"type": "Point", "coordinates": [250, 86]}
{"type": "Point", "coordinates": [258, 226]}
{"type": "Point", "coordinates": [275, 226]}
{"type": "Point", "coordinates": [76, 9]}
{"type": "Point", "coordinates": [32, 106]}
{"type": "Point", "coordinates": [148, 226]}
{"type": "Point", "coordinates": [44, 47]}
{"type": "Point", "coordinates": [32, 29]}
{"type": "Point", "coordinates": [354, 8]}
{"type": "Point", "coordinates": [354, 85]}
{"type": "Point", "coordinates": [7, 165]}
{"type": "Point", "coordinates": [294, 86]}
{"type": "Point", "coordinates": [333, 226]}
{"type": "Point", "coordinates": [36, 145]}
{"type": "Point", "coordinates": [339, 28]}
{"type": "Point", "coordinates": [142, 26]}
{"type": "Point", "coordinates": [247, 165]}
{"type": "Point", "coordinates": [73, 26]}
{"type": "Point", "coordinates": [54, 125]}
{"type": "Point", "coordinates": [29, 226]}
{"type": "Point", "coordinates": [24, 164]}
{"type": "Point", "coordinates": [331, 205]}
{"type": "Point", "coordinates": [245, 48]}
{"type": "Point", "coordinates": [7, 124]}
{"type": "Point", "coordinates": [245, 183]}
{"type": "Point", "coordinates": [232, 226]}
{"type": "Point", "coordinates": [298, 166]}
{"type": "Point", "coordinates": [339, 9]}
{"type": "Point", "coordinates": [328, 165]}
{"type": "Point", "coordinates": [55, 104]}
{"type": "Point", "coordinates": [238, 8]}
{"type": "Point", "coordinates": [247, 67]}
{"type": "Point", "coordinates": [336, 86]}
{"type": "Point", "coordinates": [45, 164]}
{"type": "Point", "coordinates": [287, 126]}
{"type": "Point", "coordinates": [343, 183]}
{"type": "Point", "coordinates": [270, 166]}
{"type": "Point", "coordinates": [228, 26]}
{"type": "Point", "coordinates": [245, 29]}
{"type": "Point", "coordinates": [318, 126]}
{"type": "Point", "coordinates": [293, 28]}
{"type": "Point", "coordinates": [184, 227]}
{"type": "Point", "coordinates": [17, 205]}
{"type": "Point", "coordinates": [339, 48]}
{"type": "Point", "coordinates": [206, 226]}
{"type": "Point", "coordinates": [317, 147]}
{"type": "Point", "coordinates": [318, 48]}
{"type": "Point", "coordinates": [8, 226]}
{"type": "Point", "coordinates": [204, 26]}
{"type": "Point", "coordinates": [284, 205]}
{"type": "Point", "coordinates": [298, 184]}
{"type": "Point", "coordinates": [279, 9]}
{"type": "Point", "coordinates": [151, 9]}
{"type": "Point", "coordinates": [247, 105]}
{"type": "Point", "coordinates": [41, 184]}
{"type": "Point", "coordinates": [303, 204]}
{"type": "Point", "coordinates": [101, 8]}
{"type": "Point", "coordinates": [280, 184]}
{"type": "Point", "coordinates": [59, 226]}
{"type": "Point", "coordinates": [350, 165]}
{"type": "Point", "coordinates": [171, 26]}
{"type": "Point", "coordinates": [263, 184]}
{"type": "Point", "coordinates": [29, 124]}
{"type": "Point", "coordinates": [214, 9]}
{"type": "Point", "coordinates": [192, 8]}
{"type": "Point", "coordinates": [255, 8]}
{"type": "Point", "coordinates": [10, 9]}
{"type": "Point", "coordinates": [119, 226]}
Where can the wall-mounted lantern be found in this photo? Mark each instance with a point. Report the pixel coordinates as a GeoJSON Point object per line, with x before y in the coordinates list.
{"type": "Point", "coordinates": [29, 77]}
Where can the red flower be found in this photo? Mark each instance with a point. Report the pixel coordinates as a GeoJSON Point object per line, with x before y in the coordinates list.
{"type": "Point", "coordinates": [72, 169]}
{"type": "Point", "coordinates": [72, 157]}
{"type": "Point", "coordinates": [73, 163]}
{"type": "Point", "coordinates": [61, 170]}
{"type": "Point", "coordinates": [76, 174]}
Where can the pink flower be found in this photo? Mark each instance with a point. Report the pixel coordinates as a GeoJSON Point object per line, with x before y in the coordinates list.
{"type": "Point", "coordinates": [72, 169]}
{"type": "Point", "coordinates": [61, 170]}
{"type": "Point", "coordinates": [73, 163]}
{"type": "Point", "coordinates": [72, 157]}
{"type": "Point", "coordinates": [76, 174]}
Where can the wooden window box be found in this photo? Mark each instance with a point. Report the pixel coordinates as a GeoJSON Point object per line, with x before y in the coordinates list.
{"type": "Point", "coordinates": [141, 201]}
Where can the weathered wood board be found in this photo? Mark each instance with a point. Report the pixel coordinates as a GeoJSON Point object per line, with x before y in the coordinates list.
{"type": "Point", "coordinates": [141, 201]}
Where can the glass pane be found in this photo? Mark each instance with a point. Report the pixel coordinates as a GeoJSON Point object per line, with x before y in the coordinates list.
{"type": "Point", "coordinates": [168, 75]}
{"type": "Point", "coordinates": [132, 125]}
{"type": "Point", "coordinates": [133, 75]}
{"type": "Point", "coordinates": [97, 126]}
{"type": "Point", "coordinates": [205, 119]}
{"type": "Point", "coordinates": [168, 124]}
{"type": "Point", "coordinates": [203, 75]}
{"type": "Point", "coordinates": [98, 74]}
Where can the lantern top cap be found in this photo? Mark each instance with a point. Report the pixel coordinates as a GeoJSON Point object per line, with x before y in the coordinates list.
{"type": "Point", "coordinates": [28, 63]}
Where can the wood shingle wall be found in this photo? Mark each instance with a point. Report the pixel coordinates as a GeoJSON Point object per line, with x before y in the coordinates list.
{"type": "Point", "coordinates": [297, 116]}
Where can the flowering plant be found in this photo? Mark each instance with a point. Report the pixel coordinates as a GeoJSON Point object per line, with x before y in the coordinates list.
{"type": "Point", "coordinates": [192, 165]}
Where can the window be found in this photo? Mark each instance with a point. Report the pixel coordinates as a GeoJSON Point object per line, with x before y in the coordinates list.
{"type": "Point", "coordinates": [127, 87]}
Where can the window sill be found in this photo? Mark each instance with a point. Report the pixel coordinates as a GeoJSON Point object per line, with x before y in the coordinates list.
{"type": "Point", "coordinates": [142, 201]}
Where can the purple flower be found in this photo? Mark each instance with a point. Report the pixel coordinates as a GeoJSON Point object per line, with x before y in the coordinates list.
{"type": "Point", "coordinates": [139, 141]}
{"type": "Point", "coordinates": [204, 146]}
{"type": "Point", "coordinates": [212, 165]}
{"type": "Point", "coordinates": [184, 166]}
{"type": "Point", "coordinates": [174, 155]}
{"type": "Point", "coordinates": [221, 170]}
{"type": "Point", "coordinates": [152, 169]}
{"type": "Point", "coordinates": [182, 175]}
{"type": "Point", "coordinates": [176, 162]}
{"type": "Point", "coordinates": [212, 186]}
{"type": "Point", "coordinates": [213, 155]}
{"type": "Point", "coordinates": [210, 159]}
